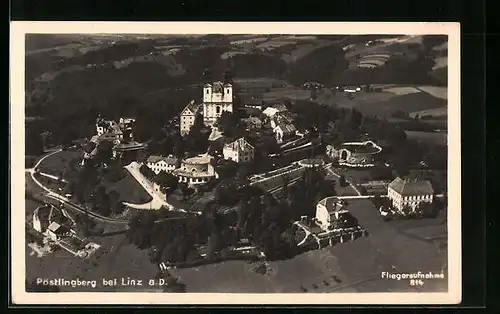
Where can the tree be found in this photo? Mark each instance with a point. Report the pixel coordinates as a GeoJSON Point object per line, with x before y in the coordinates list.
{"type": "Point", "coordinates": [427, 209]}
{"type": "Point", "coordinates": [185, 190]}
{"type": "Point", "coordinates": [226, 193]}
{"type": "Point", "coordinates": [147, 172]}
{"type": "Point", "coordinates": [197, 140]}
{"type": "Point", "coordinates": [407, 210]}
{"type": "Point", "coordinates": [33, 141]}
{"type": "Point", "coordinates": [167, 181]}
{"type": "Point", "coordinates": [228, 124]}
{"type": "Point", "coordinates": [105, 151]}
{"type": "Point", "coordinates": [116, 205]}
{"type": "Point", "coordinates": [342, 181]}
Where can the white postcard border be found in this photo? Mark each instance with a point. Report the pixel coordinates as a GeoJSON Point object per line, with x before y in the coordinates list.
{"type": "Point", "coordinates": [17, 53]}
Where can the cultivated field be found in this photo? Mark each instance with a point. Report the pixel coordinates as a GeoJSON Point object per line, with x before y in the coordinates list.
{"type": "Point", "coordinates": [437, 138]}
{"type": "Point", "coordinates": [383, 104]}
{"type": "Point", "coordinates": [290, 93]}
{"type": "Point", "coordinates": [437, 112]}
{"type": "Point", "coordinates": [402, 90]}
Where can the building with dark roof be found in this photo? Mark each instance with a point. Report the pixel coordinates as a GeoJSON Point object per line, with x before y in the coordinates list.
{"type": "Point", "coordinates": [409, 192]}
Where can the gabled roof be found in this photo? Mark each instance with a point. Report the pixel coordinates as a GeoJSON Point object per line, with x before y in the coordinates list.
{"type": "Point", "coordinates": [411, 187]}
{"type": "Point", "coordinates": [239, 143]}
{"type": "Point", "coordinates": [286, 128]}
{"type": "Point", "coordinates": [157, 158]}
{"type": "Point", "coordinates": [54, 226]}
{"type": "Point", "coordinates": [332, 204]}
{"type": "Point", "coordinates": [89, 147]}
{"type": "Point", "coordinates": [191, 108]}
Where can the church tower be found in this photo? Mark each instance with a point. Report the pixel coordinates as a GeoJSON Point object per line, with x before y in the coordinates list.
{"type": "Point", "coordinates": [217, 98]}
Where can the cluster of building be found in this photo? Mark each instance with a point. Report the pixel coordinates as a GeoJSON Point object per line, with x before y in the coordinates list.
{"type": "Point", "coordinates": [217, 98]}
{"type": "Point", "coordinates": [57, 228]}
{"type": "Point", "coordinates": [400, 192]}
{"type": "Point", "coordinates": [201, 169]}
{"type": "Point", "coordinates": [52, 223]}
{"type": "Point", "coordinates": [120, 134]}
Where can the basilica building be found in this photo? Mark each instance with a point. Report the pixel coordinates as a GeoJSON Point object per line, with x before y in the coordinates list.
{"type": "Point", "coordinates": [217, 98]}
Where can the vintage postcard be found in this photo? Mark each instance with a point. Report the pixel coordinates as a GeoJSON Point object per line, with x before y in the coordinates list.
{"type": "Point", "coordinates": [235, 163]}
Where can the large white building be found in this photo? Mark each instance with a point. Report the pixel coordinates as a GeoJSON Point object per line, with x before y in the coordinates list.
{"type": "Point", "coordinates": [405, 192]}
{"type": "Point", "coordinates": [217, 98]}
{"type": "Point", "coordinates": [329, 210]}
{"type": "Point", "coordinates": [239, 151]}
{"type": "Point", "coordinates": [188, 116]}
{"type": "Point", "coordinates": [160, 163]}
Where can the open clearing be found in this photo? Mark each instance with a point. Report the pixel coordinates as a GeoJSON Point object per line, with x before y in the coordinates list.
{"type": "Point", "coordinates": [438, 138]}
{"type": "Point", "coordinates": [372, 103]}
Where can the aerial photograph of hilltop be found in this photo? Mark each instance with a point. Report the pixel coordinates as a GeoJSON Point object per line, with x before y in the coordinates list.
{"type": "Point", "coordinates": [236, 163]}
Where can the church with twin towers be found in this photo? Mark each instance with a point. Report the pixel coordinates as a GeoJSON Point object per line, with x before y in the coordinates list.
{"type": "Point", "coordinates": [217, 98]}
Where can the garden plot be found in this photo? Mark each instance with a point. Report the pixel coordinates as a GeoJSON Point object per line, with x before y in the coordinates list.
{"type": "Point", "coordinates": [403, 90]}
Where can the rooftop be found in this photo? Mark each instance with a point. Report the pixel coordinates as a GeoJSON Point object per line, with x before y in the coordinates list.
{"type": "Point", "coordinates": [192, 106]}
{"type": "Point", "coordinates": [287, 128]}
{"type": "Point", "coordinates": [193, 174]}
{"type": "Point", "coordinates": [333, 204]}
{"type": "Point", "coordinates": [239, 143]}
{"type": "Point", "coordinates": [156, 158]}
{"type": "Point", "coordinates": [202, 159]}
{"type": "Point", "coordinates": [411, 187]}
{"type": "Point", "coordinates": [131, 145]}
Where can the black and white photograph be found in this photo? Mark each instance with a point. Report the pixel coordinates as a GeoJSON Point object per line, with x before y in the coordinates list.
{"type": "Point", "coordinates": [244, 162]}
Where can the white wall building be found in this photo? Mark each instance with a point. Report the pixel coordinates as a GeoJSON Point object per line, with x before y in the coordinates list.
{"type": "Point", "coordinates": [160, 163]}
{"type": "Point", "coordinates": [283, 131]}
{"type": "Point", "coordinates": [239, 151]}
{"type": "Point", "coordinates": [188, 116]}
{"type": "Point", "coordinates": [410, 193]}
{"type": "Point", "coordinates": [329, 210]}
{"type": "Point", "coordinates": [196, 170]}
{"type": "Point", "coordinates": [217, 98]}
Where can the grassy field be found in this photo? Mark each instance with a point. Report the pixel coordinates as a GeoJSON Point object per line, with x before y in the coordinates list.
{"type": "Point", "coordinates": [353, 266]}
{"type": "Point", "coordinates": [437, 138]}
{"type": "Point", "coordinates": [59, 162]}
{"type": "Point", "coordinates": [290, 93]}
{"type": "Point", "coordinates": [118, 259]}
{"type": "Point", "coordinates": [436, 112]}
{"type": "Point", "coordinates": [385, 103]}
{"type": "Point", "coordinates": [129, 189]}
